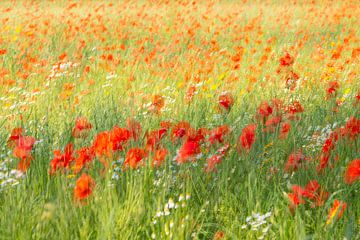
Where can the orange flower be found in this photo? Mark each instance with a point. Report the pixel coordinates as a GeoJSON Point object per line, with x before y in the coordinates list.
{"type": "Point", "coordinates": [337, 209]}
{"type": "Point", "coordinates": [352, 173]}
{"type": "Point", "coordinates": [157, 104]}
{"type": "Point", "coordinates": [219, 235]}
{"type": "Point", "coordinates": [62, 56]}
{"type": "Point", "coordinates": [84, 187]}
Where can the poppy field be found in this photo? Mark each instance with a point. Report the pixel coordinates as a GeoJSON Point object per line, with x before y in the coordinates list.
{"type": "Point", "coordinates": [180, 119]}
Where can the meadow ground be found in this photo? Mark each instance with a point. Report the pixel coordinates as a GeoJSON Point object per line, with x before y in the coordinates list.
{"type": "Point", "coordinates": [179, 120]}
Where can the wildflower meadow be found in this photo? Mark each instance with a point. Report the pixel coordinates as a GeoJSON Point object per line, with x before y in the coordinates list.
{"type": "Point", "coordinates": [180, 119]}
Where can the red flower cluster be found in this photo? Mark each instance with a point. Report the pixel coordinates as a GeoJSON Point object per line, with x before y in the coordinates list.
{"type": "Point", "coordinates": [350, 131]}
{"type": "Point", "coordinates": [274, 117]}
{"type": "Point", "coordinates": [22, 146]}
{"type": "Point", "coordinates": [287, 60]}
{"type": "Point", "coordinates": [286, 70]}
{"type": "Point", "coordinates": [312, 192]}
{"type": "Point", "coordinates": [295, 160]}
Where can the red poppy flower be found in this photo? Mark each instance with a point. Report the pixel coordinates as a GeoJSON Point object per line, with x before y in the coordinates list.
{"type": "Point", "coordinates": [84, 156]}
{"type": "Point", "coordinates": [217, 134]}
{"type": "Point", "coordinates": [154, 137]}
{"type": "Point", "coordinates": [62, 161]}
{"type": "Point", "coordinates": [324, 159]}
{"type": "Point", "coordinates": [284, 130]}
{"type": "Point", "coordinates": [272, 123]}
{"type": "Point", "coordinates": [352, 128]}
{"type": "Point", "coordinates": [328, 145]}
{"type": "Point", "coordinates": [82, 128]}
{"type": "Point", "coordinates": [188, 151]}
{"type": "Point", "coordinates": [180, 130]}
{"type": "Point", "coordinates": [134, 157]}
{"type": "Point", "coordinates": [352, 173]}
{"type": "Point", "coordinates": [197, 135]}
{"type": "Point", "coordinates": [265, 109]}
{"type": "Point", "coordinates": [226, 100]}
{"type": "Point", "coordinates": [212, 162]}
{"type": "Point", "coordinates": [295, 160]}
{"type": "Point", "coordinates": [159, 157]}
{"type": "Point", "coordinates": [286, 60]}
{"type": "Point", "coordinates": [16, 133]}
{"type": "Point", "coordinates": [295, 201]}
{"type": "Point", "coordinates": [24, 163]}
{"type": "Point", "coordinates": [23, 146]}
{"type": "Point", "coordinates": [247, 138]}
{"type": "Point", "coordinates": [84, 187]}
{"type": "Point", "coordinates": [119, 136]}
{"type": "Point", "coordinates": [295, 107]}
{"type": "Point", "coordinates": [311, 189]}
{"type": "Point", "coordinates": [331, 90]}
{"type": "Point", "coordinates": [102, 145]}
